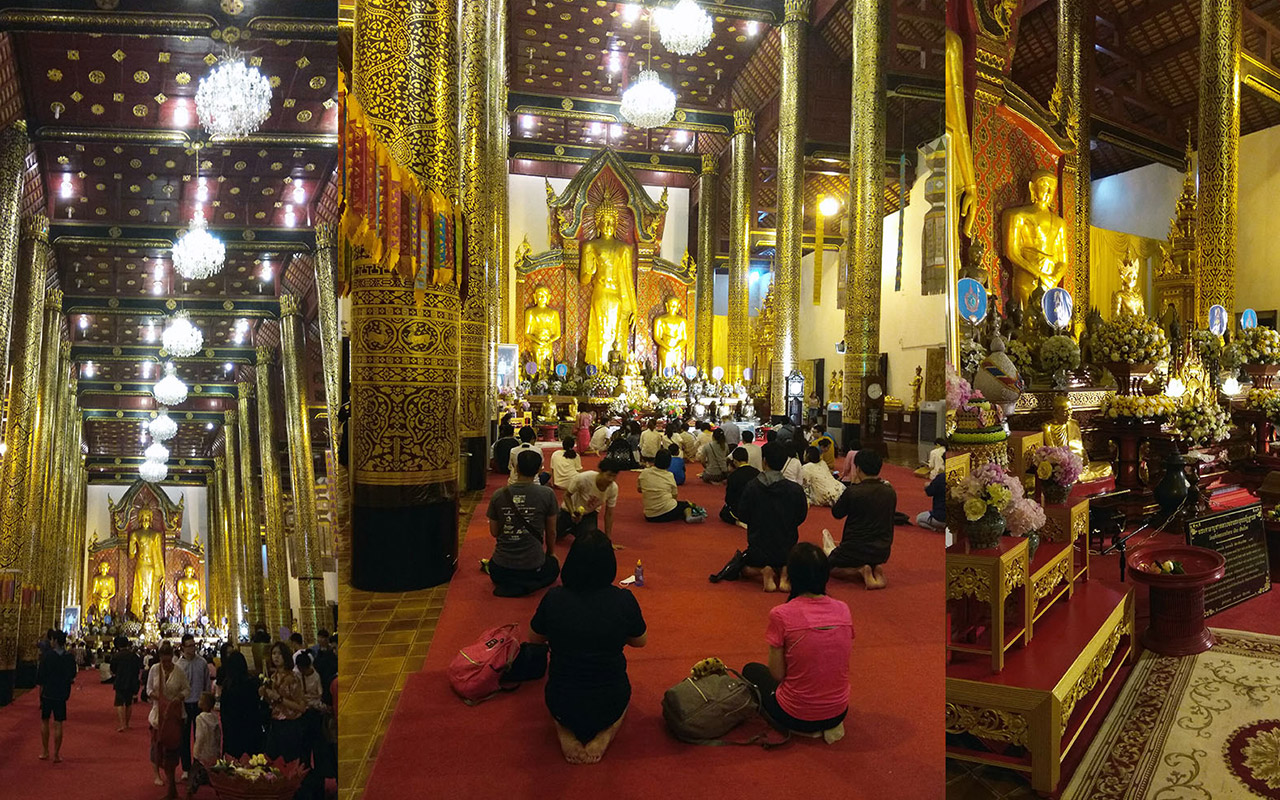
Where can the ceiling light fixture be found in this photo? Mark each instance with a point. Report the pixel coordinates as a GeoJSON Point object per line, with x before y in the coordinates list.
{"type": "Point", "coordinates": [163, 428]}
{"type": "Point", "coordinates": [631, 12]}
{"type": "Point", "coordinates": [684, 29]}
{"type": "Point", "coordinates": [752, 27]}
{"type": "Point", "coordinates": [66, 190]}
{"type": "Point", "coordinates": [299, 194]}
{"type": "Point", "coordinates": [208, 426]}
{"type": "Point", "coordinates": [182, 338]}
{"type": "Point", "coordinates": [181, 114]}
{"type": "Point", "coordinates": [153, 471]}
{"type": "Point", "coordinates": [289, 217]}
{"type": "Point", "coordinates": [169, 390]}
{"type": "Point", "coordinates": [156, 452]}
{"type": "Point", "coordinates": [647, 103]}
{"type": "Point", "coordinates": [198, 254]}
{"type": "Point", "coordinates": [234, 99]}
{"type": "Point", "coordinates": [89, 369]}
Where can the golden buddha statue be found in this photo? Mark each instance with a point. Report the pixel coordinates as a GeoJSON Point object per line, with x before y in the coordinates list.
{"type": "Point", "coordinates": [958, 126]}
{"type": "Point", "coordinates": [607, 263]}
{"type": "Point", "coordinates": [1128, 299]}
{"type": "Point", "coordinates": [102, 590]}
{"type": "Point", "coordinates": [1063, 431]}
{"type": "Point", "coordinates": [541, 326]}
{"type": "Point", "coordinates": [670, 331]}
{"type": "Point", "coordinates": [189, 594]}
{"type": "Point", "coordinates": [146, 548]}
{"type": "Point", "coordinates": [917, 385]}
{"type": "Point", "coordinates": [1035, 240]}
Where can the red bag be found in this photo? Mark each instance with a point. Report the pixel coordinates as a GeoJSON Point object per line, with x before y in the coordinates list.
{"type": "Point", "coordinates": [171, 725]}
{"type": "Point", "coordinates": [476, 671]}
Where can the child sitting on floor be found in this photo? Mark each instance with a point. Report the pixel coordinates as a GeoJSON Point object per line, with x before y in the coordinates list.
{"type": "Point", "coordinates": [677, 463]}
{"type": "Point", "coordinates": [658, 487]}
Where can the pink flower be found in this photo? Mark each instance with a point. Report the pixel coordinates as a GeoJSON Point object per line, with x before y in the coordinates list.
{"type": "Point", "coordinates": [1024, 516]}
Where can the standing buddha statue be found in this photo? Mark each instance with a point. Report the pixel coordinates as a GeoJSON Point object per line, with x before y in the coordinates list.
{"type": "Point", "coordinates": [103, 589]}
{"type": "Point", "coordinates": [146, 548]}
{"type": "Point", "coordinates": [606, 263]}
{"type": "Point", "coordinates": [188, 589]}
{"type": "Point", "coordinates": [670, 331]}
{"type": "Point", "coordinates": [541, 327]}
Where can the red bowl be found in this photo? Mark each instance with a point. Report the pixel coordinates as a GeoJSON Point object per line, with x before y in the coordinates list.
{"type": "Point", "coordinates": [1201, 566]}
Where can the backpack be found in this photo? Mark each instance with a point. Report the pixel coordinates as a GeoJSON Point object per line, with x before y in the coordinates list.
{"type": "Point", "coordinates": [709, 703]}
{"type": "Point", "coordinates": [476, 672]}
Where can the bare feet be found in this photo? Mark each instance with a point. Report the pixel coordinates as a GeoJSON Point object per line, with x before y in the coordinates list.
{"type": "Point", "coordinates": [573, 750]}
{"type": "Point", "coordinates": [159, 781]}
{"type": "Point", "coordinates": [784, 582]}
{"type": "Point", "coordinates": [881, 582]}
{"type": "Point", "coordinates": [119, 730]}
{"type": "Point", "coordinates": [57, 759]}
{"type": "Point", "coordinates": [770, 582]}
{"type": "Point", "coordinates": [44, 756]}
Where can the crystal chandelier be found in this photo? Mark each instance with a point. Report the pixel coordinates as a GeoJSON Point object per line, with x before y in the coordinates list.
{"type": "Point", "coordinates": [234, 99]}
{"type": "Point", "coordinates": [182, 338]}
{"type": "Point", "coordinates": [198, 254]}
{"type": "Point", "coordinates": [169, 391]}
{"type": "Point", "coordinates": [156, 452]}
{"type": "Point", "coordinates": [153, 471]}
{"type": "Point", "coordinates": [162, 428]}
{"type": "Point", "coordinates": [647, 103]}
{"type": "Point", "coordinates": [684, 29]}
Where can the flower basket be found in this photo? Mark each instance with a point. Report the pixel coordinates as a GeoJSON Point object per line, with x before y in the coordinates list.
{"type": "Point", "coordinates": [1129, 377]}
{"type": "Point", "coordinates": [985, 533]}
{"type": "Point", "coordinates": [254, 778]}
{"type": "Point", "coordinates": [1262, 375]}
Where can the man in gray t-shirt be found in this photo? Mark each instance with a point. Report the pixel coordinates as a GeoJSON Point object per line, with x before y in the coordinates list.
{"type": "Point", "coordinates": [522, 521]}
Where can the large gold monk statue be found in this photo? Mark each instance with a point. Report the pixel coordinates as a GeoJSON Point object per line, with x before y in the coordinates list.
{"type": "Point", "coordinates": [1063, 431]}
{"type": "Point", "coordinates": [146, 548]}
{"type": "Point", "coordinates": [1128, 299]}
{"type": "Point", "coordinates": [103, 589]}
{"type": "Point", "coordinates": [670, 331]}
{"type": "Point", "coordinates": [189, 593]}
{"type": "Point", "coordinates": [1035, 240]}
{"type": "Point", "coordinates": [541, 326]}
{"type": "Point", "coordinates": [606, 263]}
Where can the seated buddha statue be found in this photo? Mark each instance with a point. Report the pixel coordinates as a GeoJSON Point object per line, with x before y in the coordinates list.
{"type": "Point", "coordinates": [1035, 240]}
{"type": "Point", "coordinates": [1063, 431]}
{"type": "Point", "coordinates": [670, 332]}
{"type": "Point", "coordinates": [541, 326]}
{"type": "Point", "coordinates": [1128, 299]}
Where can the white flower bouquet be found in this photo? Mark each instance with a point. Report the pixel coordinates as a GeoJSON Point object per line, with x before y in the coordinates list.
{"type": "Point", "coordinates": [1201, 419]}
{"type": "Point", "coordinates": [1207, 345]}
{"type": "Point", "coordinates": [1130, 339]}
{"type": "Point", "coordinates": [1266, 401]}
{"type": "Point", "coordinates": [1260, 346]}
{"type": "Point", "coordinates": [1138, 407]}
{"type": "Point", "coordinates": [1059, 352]}
{"type": "Point", "coordinates": [1019, 354]}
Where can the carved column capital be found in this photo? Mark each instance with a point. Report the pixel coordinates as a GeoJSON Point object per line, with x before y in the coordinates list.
{"type": "Point", "coordinates": [36, 227]}
{"type": "Point", "coordinates": [265, 355]}
{"type": "Point", "coordinates": [744, 121]}
{"type": "Point", "coordinates": [289, 305]}
{"type": "Point", "coordinates": [326, 235]}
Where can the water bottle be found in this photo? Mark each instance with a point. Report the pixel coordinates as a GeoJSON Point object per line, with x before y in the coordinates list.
{"type": "Point", "coordinates": [639, 573]}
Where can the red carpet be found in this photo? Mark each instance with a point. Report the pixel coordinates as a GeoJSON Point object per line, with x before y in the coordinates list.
{"type": "Point", "coordinates": [439, 747]}
{"type": "Point", "coordinates": [95, 758]}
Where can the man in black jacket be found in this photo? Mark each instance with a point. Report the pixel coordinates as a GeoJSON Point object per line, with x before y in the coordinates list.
{"type": "Point", "coordinates": [54, 675]}
{"type": "Point", "coordinates": [740, 474]}
{"type": "Point", "coordinates": [868, 508]}
{"type": "Point", "coordinates": [773, 508]}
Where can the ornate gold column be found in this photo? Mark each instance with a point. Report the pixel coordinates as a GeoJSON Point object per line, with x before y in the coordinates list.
{"type": "Point", "coordinates": [70, 463]}
{"type": "Point", "coordinates": [279, 608]}
{"type": "Point", "coordinates": [249, 507]}
{"type": "Point", "coordinates": [306, 526]}
{"type": "Point", "coordinates": [404, 389]}
{"type": "Point", "coordinates": [224, 564]}
{"type": "Point", "coordinates": [41, 485]}
{"type": "Point", "coordinates": [330, 332]}
{"type": "Point", "coordinates": [1075, 55]}
{"type": "Point", "coordinates": [14, 144]}
{"type": "Point", "coordinates": [213, 543]}
{"type": "Point", "coordinates": [705, 282]}
{"type": "Point", "coordinates": [234, 521]}
{"type": "Point", "coordinates": [790, 216]}
{"type": "Point", "coordinates": [58, 477]}
{"type": "Point", "coordinates": [501, 276]}
{"type": "Point", "coordinates": [866, 210]}
{"type": "Point", "coordinates": [1219, 150]}
{"type": "Point", "coordinates": [741, 187]}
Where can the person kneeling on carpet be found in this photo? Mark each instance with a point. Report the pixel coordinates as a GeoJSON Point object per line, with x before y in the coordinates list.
{"type": "Point", "coordinates": [805, 686]}
{"type": "Point", "coordinates": [820, 486]}
{"type": "Point", "coordinates": [586, 622]}
{"type": "Point", "coordinates": [773, 508]}
{"type": "Point", "coordinates": [740, 474]}
{"type": "Point", "coordinates": [869, 505]}
{"type": "Point", "coordinates": [936, 518]}
{"type": "Point", "coordinates": [587, 493]}
{"type": "Point", "coordinates": [522, 521]}
{"type": "Point", "coordinates": [657, 486]}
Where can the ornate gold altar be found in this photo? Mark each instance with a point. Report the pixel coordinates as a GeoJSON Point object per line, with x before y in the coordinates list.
{"type": "Point", "coordinates": [148, 560]}
{"type": "Point", "coordinates": [604, 222]}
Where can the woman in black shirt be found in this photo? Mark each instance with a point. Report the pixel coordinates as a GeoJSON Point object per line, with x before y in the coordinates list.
{"type": "Point", "coordinates": [242, 710]}
{"type": "Point", "coordinates": [587, 621]}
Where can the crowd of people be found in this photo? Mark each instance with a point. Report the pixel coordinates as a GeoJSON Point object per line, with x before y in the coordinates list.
{"type": "Point", "coordinates": [207, 703]}
{"type": "Point", "coordinates": [769, 487]}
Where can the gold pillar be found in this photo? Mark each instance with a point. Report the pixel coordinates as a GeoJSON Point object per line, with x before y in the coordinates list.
{"type": "Point", "coordinates": [404, 391]}
{"type": "Point", "coordinates": [72, 488]}
{"type": "Point", "coordinates": [58, 477]}
{"type": "Point", "coordinates": [234, 521]}
{"type": "Point", "coordinates": [78, 524]}
{"type": "Point", "coordinates": [330, 332]}
{"type": "Point", "coordinates": [14, 144]}
{"type": "Point", "coordinates": [213, 545]}
{"type": "Point", "coordinates": [20, 543]}
{"type": "Point", "coordinates": [279, 607]}
{"type": "Point", "coordinates": [302, 475]}
{"type": "Point", "coordinates": [249, 507]}
{"type": "Point", "coordinates": [742, 180]}
{"type": "Point", "coordinates": [41, 485]}
{"type": "Point", "coordinates": [705, 282]}
{"type": "Point", "coordinates": [790, 216]}
{"type": "Point", "coordinates": [224, 566]}
{"type": "Point", "coordinates": [1219, 151]}
{"type": "Point", "coordinates": [866, 209]}
{"type": "Point", "coordinates": [1075, 55]}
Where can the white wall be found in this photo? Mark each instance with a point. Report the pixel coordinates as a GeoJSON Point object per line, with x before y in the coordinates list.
{"type": "Point", "coordinates": [195, 516]}
{"type": "Point", "coordinates": [1143, 200]}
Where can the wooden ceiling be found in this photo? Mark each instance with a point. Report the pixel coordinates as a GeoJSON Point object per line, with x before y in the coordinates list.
{"type": "Point", "coordinates": [1147, 71]}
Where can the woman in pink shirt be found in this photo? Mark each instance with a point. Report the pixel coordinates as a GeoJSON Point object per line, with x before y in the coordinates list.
{"type": "Point", "coordinates": [805, 687]}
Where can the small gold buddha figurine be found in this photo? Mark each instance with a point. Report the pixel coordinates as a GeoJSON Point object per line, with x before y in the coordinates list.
{"type": "Point", "coordinates": [103, 589]}
{"type": "Point", "coordinates": [549, 410]}
{"type": "Point", "coordinates": [541, 326]}
{"type": "Point", "coordinates": [606, 263]}
{"type": "Point", "coordinates": [917, 386]}
{"type": "Point", "coordinates": [670, 331]}
{"type": "Point", "coordinates": [1127, 299]}
{"type": "Point", "coordinates": [189, 594]}
{"type": "Point", "coordinates": [1063, 431]}
{"type": "Point", "coordinates": [1035, 240]}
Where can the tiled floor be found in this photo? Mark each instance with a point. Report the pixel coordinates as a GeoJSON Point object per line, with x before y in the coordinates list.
{"type": "Point", "coordinates": [968, 781]}
{"type": "Point", "coordinates": [383, 638]}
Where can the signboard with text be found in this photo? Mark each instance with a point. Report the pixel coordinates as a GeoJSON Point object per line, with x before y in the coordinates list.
{"type": "Point", "coordinates": [1238, 534]}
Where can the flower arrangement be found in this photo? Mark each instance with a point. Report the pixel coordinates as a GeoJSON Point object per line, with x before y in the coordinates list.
{"type": "Point", "coordinates": [1059, 352]}
{"type": "Point", "coordinates": [1057, 465]}
{"type": "Point", "coordinates": [1130, 339]}
{"type": "Point", "coordinates": [987, 488]}
{"type": "Point", "coordinates": [541, 387]}
{"type": "Point", "coordinates": [667, 386]}
{"type": "Point", "coordinates": [1233, 357]}
{"type": "Point", "coordinates": [959, 392]}
{"type": "Point", "coordinates": [132, 628]}
{"type": "Point", "coordinates": [1200, 419]}
{"type": "Point", "coordinates": [1019, 354]}
{"type": "Point", "coordinates": [1207, 345]}
{"type": "Point", "coordinates": [555, 387]}
{"type": "Point", "coordinates": [523, 388]}
{"type": "Point", "coordinates": [1260, 346]}
{"type": "Point", "coordinates": [570, 387]}
{"type": "Point", "coordinates": [1024, 516]}
{"type": "Point", "coordinates": [671, 407]}
{"type": "Point", "coordinates": [171, 630]}
{"type": "Point", "coordinates": [1265, 400]}
{"type": "Point", "coordinates": [971, 354]}
{"type": "Point", "coordinates": [256, 777]}
{"type": "Point", "coordinates": [602, 384]}
{"type": "Point", "coordinates": [1117, 406]}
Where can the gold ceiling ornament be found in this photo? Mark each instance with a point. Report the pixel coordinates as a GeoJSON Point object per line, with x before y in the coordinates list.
{"type": "Point", "coordinates": [97, 76]}
{"type": "Point", "coordinates": [55, 75]}
{"type": "Point", "coordinates": [140, 110]}
{"type": "Point", "coordinates": [141, 76]}
{"type": "Point", "coordinates": [76, 96]}
{"type": "Point", "coordinates": [162, 57]}
{"type": "Point", "coordinates": [119, 56]}
{"type": "Point", "coordinates": [318, 82]}
{"type": "Point", "coordinates": [182, 78]}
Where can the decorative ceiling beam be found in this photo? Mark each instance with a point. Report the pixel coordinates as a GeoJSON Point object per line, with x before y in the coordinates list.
{"type": "Point", "coordinates": [182, 138]}
{"type": "Point", "coordinates": [122, 415]}
{"type": "Point", "coordinates": [193, 478]}
{"type": "Point", "coordinates": [289, 19]}
{"type": "Point", "coordinates": [253, 240]}
{"type": "Point", "coordinates": [143, 388]}
{"type": "Point", "coordinates": [659, 161]}
{"type": "Point", "coordinates": [1139, 142]}
{"type": "Point", "coordinates": [595, 110]}
{"type": "Point", "coordinates": [251, 308]}
{"type": "Point", "coordinates": [1261, 78]}
{"type": "Point", "coordinates": [147, 352]}
{"type": "Point", "coordinates": [101, 462]}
